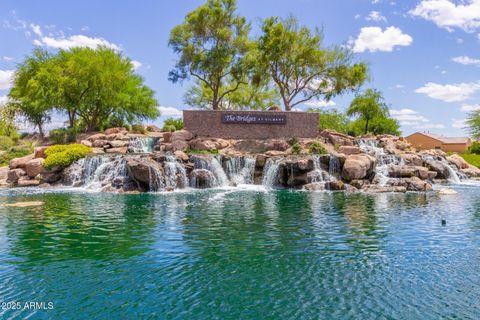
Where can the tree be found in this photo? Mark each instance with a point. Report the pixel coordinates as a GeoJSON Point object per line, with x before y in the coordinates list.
{"type": "Point", "coordinates": [31, 92]}
{"type": "Point", "coordinates": [301, 68]}
{"type": "Point", "coordinates": [211, 44]}
{"type": "Point", "coordinates": [378, 125]}
{"type": "Point", "coordinates": [7, 120]}
{"type": "Point", "coordinates": [368, 106]}
{"type": "Point", "coordinates": [332, 119]}
{"type": "Point", "coordinates": [473, 124]}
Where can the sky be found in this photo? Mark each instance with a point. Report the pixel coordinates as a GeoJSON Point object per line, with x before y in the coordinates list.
{"type": "Point", "coordinates": [423, 55]}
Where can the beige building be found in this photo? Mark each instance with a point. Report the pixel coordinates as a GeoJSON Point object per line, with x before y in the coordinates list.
{"type": "Point", "coordinates": [424, 141]}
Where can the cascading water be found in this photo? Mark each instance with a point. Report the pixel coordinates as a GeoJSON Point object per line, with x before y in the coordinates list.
{"type": "Point", "coordinates": [270, 172]}
{"type": "Point", "coordinates": [383, 159]}
{"type": "Point", "coordinates": [454, 176]}
{"type": "Point", "coordinates": [141, 145]}
{"type": "Point", "coordinates": [240, 170]}
{"type": "Point", "coordinates": [175, 174]}
{"type": "Point", "coordinates": [212, 164]}
{"type": "Point", "coordinates": [318, 175]}
{"type": "Point", "coordinates": [334, 166]}
{"type": "Point", "coordinates": [97, 171]}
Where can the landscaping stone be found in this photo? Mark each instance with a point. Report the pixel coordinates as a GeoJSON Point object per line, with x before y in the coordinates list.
{"type": "Point", "coordinates": [358, 166]}
{"type": "Point", "coordinates": [40, 152]}
{"type": "Point", "coordinates": [15, 174]}
{"type": "Point", "coordinates": [20, 162]}
{"type": "Point", "coordinates": [34, 167]}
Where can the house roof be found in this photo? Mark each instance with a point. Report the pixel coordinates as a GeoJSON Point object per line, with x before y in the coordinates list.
{"type": "Point", "coordinates": [442, 139]}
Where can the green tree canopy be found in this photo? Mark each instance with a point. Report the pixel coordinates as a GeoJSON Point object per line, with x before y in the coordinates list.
{"type": "Point", "coordinates": [368, 106]}
{"type": "Point", "coordinates": [211, 44]}
{"type": "Point", "coordinates": [473, 124]}
{"type": "Point", "coordinates": [301, 68]}
{"type": "Point", "coordinates": [92, 85]}
{"type": "Point", "coordinates": [332, 119]}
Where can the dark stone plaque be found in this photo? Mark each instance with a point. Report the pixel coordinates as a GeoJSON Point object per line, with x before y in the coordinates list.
{"type": "Point", "coordinates": [252, 118]}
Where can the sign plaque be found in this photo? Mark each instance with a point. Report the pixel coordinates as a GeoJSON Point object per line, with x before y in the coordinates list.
{"type": "Point", "coordinates": [252, 118]}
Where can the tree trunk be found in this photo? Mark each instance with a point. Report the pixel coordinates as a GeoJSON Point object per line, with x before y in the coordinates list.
{"type": "Point", "coordinates": [40, 130]}
{"type": "Point", "coordinates": [71, 119]}
{"type": "Point", "coordinates": [366, 126]}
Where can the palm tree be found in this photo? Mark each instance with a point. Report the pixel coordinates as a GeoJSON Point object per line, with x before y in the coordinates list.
{"type": "Point", "coordinates": [368, 106]}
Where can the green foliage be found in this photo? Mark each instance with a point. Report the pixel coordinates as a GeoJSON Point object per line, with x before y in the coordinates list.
{"type": "Point", "coordinates": [379, 125]}
{"type": "Point", "coordinates": [7, 121]}
{"type": "Point", "coordinates": [176, 122]}
{"type": "Point", "coordinates": [211, 45]}
{"type": "Point", "coordinates": [169, 128]}
{"type": "Point", "coordinates": [194, 151]}
{"type": "Point", "coordinates": [474, 148]}
{"type": "Point", "coordinates": [331, 119]}
{"type": "Point", "coordinates": [64, 155]}
{"type": "Point", "coordinates": [368, 106]}
{"type": "Point", "coordinates": [63, 135]}
{"type": "Point", "coordinates": [336, 147]}
{"type": "Point", "coordinates": [292, 141]}
{"type": "Point", "coordinates": [473, 159]}
{"type": "Point", "coordinates": [138, 128]}
{"type": "Point", "coordinates": [12, 153]}
{"type": "Point", "coordinates": [296, 148]}
{"type": "Point", "coordinates": [6, 143]}
{"type": "Point", "coordinates": [473, 124]}
{"type": "Point", "coordinates": [316, 148]}
{"type": "Point", "coordinates": [300, 67]}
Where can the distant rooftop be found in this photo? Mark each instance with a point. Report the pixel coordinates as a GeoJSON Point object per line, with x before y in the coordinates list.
{"type": "Point", "coordinates": [446, 140]}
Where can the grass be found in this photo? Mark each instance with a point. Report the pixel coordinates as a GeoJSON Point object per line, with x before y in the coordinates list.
{"type": "Point", "coordinates": [194, 151]}
{"type": "Point", "coordinates": [473, 159]}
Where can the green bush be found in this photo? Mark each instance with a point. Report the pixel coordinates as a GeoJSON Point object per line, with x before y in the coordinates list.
{"type": "Point", "coordinates": [138, 128]}
{"type": "Point", "coordinates": [194, 151]}
{"type": "Point", "coordinates": [317, 148]}
{"type": "Point", "coordinates": [6, 143]}
{"type": "Point", "coordinates": [176, 122]}
{"type": "Point", "coordinates": [292, 141]}
{"type": "Point", "coordinates": [296, 148]}
{"type": "Point", "coordinates": [63, 135]}
{"type": "Point", "coordinates": [475, 148]}
{"type": "Point", "coordinates": [12, 153]}
{"type": "Point", "coordinates": [168, 128]}
{"type": "Point", "coordinates": [64, 155]}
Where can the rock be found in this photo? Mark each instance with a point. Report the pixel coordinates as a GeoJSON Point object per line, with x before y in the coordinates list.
{"type": "Point", "coordinates": [447, 191]}
{"type": "Point", "coordinates": [336, 138]}
{"type": "Point", "coordinates": [314, 186]}
{"type": "Point", "coordinates": [24, 204]}
{"type": "Point", "coordinates": [50, 176]}
{"type": "Point", "coordinates": [275, 153]}
{"type": "Point", "coordinates": [20, 162]}
{"type": "Point", "coordinates": [416, 184]}
{"type": "Point", "coordinates": [98, 136]}
{"type": "Point", "coordinates": [4, 173]}
{"type": "Point", "coordinates": [116, 144]}
{"type": "Point", "coordinates": [306, 164]}
{"type": "Point", "coordinates": [141, 170]}
{"type": "Point", "coordinates": [40, 152]}
{"type": "Point", "coordinates": [471, 172]}
{"type": "Point", "coordinates": [335, 185]}
{"type": "Point", "coordinates": [431, 175]}
{"type": "Point", "coordinates": [260, 160]}
{"type": "Point", "coordinates": [15, 174]}
{"type": "Point", "coordinates": [383, 189]}
{"type": "Point", "coordinates": [166, 137]}
{"type": "Point", "coordinates": [179, 145]}
{"type": "Point", "coordinates": [99, 143]}
{"type": "Point", "coordinates": [359, 184]}
{"type": "Point", "coordinates": [97, 151]}
{"type": "Point", "coordinates": [117, 150]}
{"type": "Point", "coordinates": [86, 143]}
{"type": "Point", "coordinates": [358, 166]}
{"type": "Point", "coordinates": [412, 159]}
{"type": "Point", "coordinates": [182, 135]}
{"type": "Point", "coordinates": [34, 167]}
{"type": "Point", "coordinates": [458, 161]}
{"type": "Point", "coordinates": [201, 178]}
{"type": "Point", "coordinates": [28, 183]}
{"type": "Point", "coordinates": [439, 167]}
{"type": "Point", "coordinates": [180, 155]}
{"type": "Point", "coordinates": [348, 150]}
{"type": "Point", "coordinates": [277, 145]}
{"type": "Point", "coordinates": [403, 171]}
{"type": "Point", "coordinates": [115, 130]}
{"type": "Point", "coordinates": [251, 146]}
{"type": "Point", "coordinates": [152, 128]}
{"type": "Point", "coordinates": [111, 137]}
{"type": "Point", "coordinates": [44, 185]}
{"type": "Point", "coordinates": [221, 144]}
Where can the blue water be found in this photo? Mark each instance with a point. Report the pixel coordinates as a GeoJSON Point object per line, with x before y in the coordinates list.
{"type": "Point", "coordinates": [223, 254]}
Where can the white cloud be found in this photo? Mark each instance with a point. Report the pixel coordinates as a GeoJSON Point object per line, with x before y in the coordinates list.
{"type": "Point", "coordinates": [408, 117]}
{"type": "Point", "coordinates": [447, 14]}
{"type": "Point", "coordinates": [375, 1]}
{"type": "Point", "coordinates": [320, 103]}
{"type": "Point", "coordinates": [430, 126]}
{"type": "Point", "coordinates": [136, 64]}
{"type": "Point", "coordinates": [3, 100]}
{"type": "Point", "coordinates": [6, 77]}
{"type": "Point", "coordinates": [7, 58]}
{"type": "Point", "coordinates": [399, 86]}
{"type": "Point", "coordinates": [466, 60]}
{"type": "Point", "coordinates": [375, 16]}
{"type": "Point", "coordinates": [443, 72]}
{"type": "Point", "coordinates": [357, 16]}
{"type": "Point", "coordinates": [170, 111]}
{"type": "Point", "coordinates": [449, 92]}
{"type": "Point", "coordinates": [458, 124]}
{"type": "Point", "coordinates": [375, 39]}
{"type": "Point", "coordinates": [470, 107]}
{"type": "Point", "coordinates": [78, 40]}
{"type": "Point", "coordinates": [36, 29]}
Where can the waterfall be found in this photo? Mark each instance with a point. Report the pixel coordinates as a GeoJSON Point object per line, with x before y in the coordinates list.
{"type": "Point", "coordinates": [175, 174]}
{"type": "Point", "coordinates": [454, 176]}
{"type": "Point", "coordinates": [318, 174]}
{"type": "Point", "coordinates": [212, 165]}
{"type": "Point", "coordinates": [334, 166]}
{"type": "Point", "coordinates": [240, 170]}
{"type": "Point", "coordinates": [270, 172]}
{"type": "Point", "coordinates": [383, 159]}
{"type": "Point", "coordinates": [156, 179]}
{"type": "Point", "coordinates": [97, 171]}
{"type": "Point", "coordinates": [141, 145]}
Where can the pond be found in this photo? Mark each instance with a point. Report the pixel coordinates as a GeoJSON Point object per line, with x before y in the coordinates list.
{"type": "Point", "coordinates": [241, 254]}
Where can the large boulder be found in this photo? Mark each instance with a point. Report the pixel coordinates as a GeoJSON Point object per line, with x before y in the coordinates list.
{"type": "Point", "coordinates": [50, 176]}
{"type": "Point", "coordinates": [34, 167]}
{"type": "Point", "coordinates": [336, 138]}
{"type": "Point", "coordinates": [403, 171]}
{"type": "Point", "coordinates": [121, 150]}
{"type": "Point", "coordinates": [472, 172]}
{"type": "Point", "coordinates": [277, 145]}
{"type": "Point", "coordinates": [458, 161]}
{"type": "Point", "coordinates": [201, 178]}
{"type": "Point", "coordinates": [99, 143]}
{"type": "Point", "coordinates": [4, 173]}
{"type": "Point", "coordinates": [179, 145]}
{"type": "Point", "coordinates": [348, 150]}
{"type": "Point", "coordinates": [182, 156]}
{"type": "Point", "coordinates": [358, 166]}
{"type": "Point", "coordinates": [336, 185]}
{"type": "Point", "coordinates": [182, 135]}
{"type": "Point", "coordinates": [143, 170]}
{"type": "Point", "coordinates": [116, 144]}
{"type": "Point", "coordinates": [98, 136]}
{"type": "Point", "coordinates": [115, 130]}
{"type": "Point", "coordinates": [412, 159]}
{"type": "Point", "coordinates": [40, 152]}
{"type": "Point", "coordinates": [20, 162]}
{"type": "Point", "coordinates": [202, 144]}
{"type": "Point", "coordinates": [439, 167]}
{"type": "Point", "coordinates": [28, 183]}
{"type": "Point", "coordinates": [416, 184]}
{"type": "Point", "coordinates": [14, 175]}
{"type": "Point", "coordinates": [87, 143]}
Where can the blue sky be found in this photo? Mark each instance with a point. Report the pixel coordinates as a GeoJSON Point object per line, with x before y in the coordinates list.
{"type": "Point", "coordinates": [423, 54]}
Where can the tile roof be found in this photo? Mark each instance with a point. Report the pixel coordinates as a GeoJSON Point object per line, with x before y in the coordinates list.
{"type": "Point", "coordinates": [446, 140]}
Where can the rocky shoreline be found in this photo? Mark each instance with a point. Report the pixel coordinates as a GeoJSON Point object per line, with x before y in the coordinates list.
{"type": "Point", "coordinates": [164, 161]}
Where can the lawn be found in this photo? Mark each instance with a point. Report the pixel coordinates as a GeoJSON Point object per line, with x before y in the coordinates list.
{"type": "Point", "coordinates": [472, 158]}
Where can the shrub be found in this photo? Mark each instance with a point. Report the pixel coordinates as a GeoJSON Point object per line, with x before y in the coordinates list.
{"type": "Point", "coordinates": [168, 128]}
{"type": "Point", "coordinates": [12, 153]}
{"type": "Point", "coordinates": [57, 136]}
{"type": "Point", "coordinates": [317, 148]}
{"type": "Point", "coordinates": [195, 151]}
{"type": "Point", "coordinates": [176, 122]}
{"type": "Point", "coordinates": [6, 143]}
{"type": "Point", "coordinates": [475, 148]}
{"type": "Point", "coordinates": [138, 128]}
{"type": "Point", "coordinates": [64, 155]}
{"type": "Point", "coordinates": [296, 148]}
{"type": "Point", "coordinates": [292, 141]}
